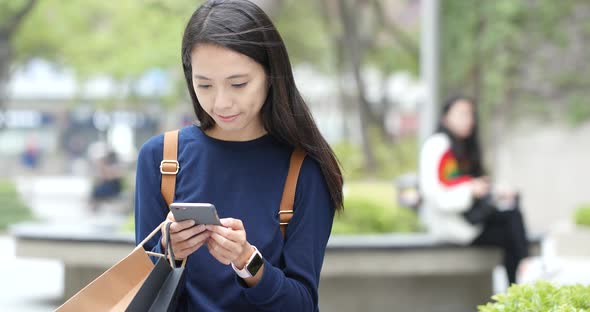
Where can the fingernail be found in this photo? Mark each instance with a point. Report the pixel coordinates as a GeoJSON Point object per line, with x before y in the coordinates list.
{"type": "Point", "coordinates": [193, 222]}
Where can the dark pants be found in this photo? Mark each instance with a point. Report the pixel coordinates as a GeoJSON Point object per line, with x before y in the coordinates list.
{"type": "Point", "coordinates": [107, 189]}
{"type": "Point", "coordinates": [505, 229]}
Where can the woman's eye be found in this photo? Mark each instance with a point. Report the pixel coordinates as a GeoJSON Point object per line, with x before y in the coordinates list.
{"type": "Point", "coordinates": [239, 85]}
{"type": "Point", "coordinates": [203, 86]}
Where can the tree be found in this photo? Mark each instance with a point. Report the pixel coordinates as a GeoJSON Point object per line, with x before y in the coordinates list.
{"type": "Point", "coordinates": [124, 39]}
{"type": "Point", "coordinates": [510, 55]}
{"type": "Point", "coordinates": [120, 39]}
{"type": "Point", "coordinates": [12, 14]}
{"type": "Point", "coordinates": [362, 35]}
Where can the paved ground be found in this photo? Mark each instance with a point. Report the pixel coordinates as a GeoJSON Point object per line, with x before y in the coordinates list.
{"type": "Point", "coordinates": [34, 285]}
{"type": "Point", "coordinates": [28, 285]}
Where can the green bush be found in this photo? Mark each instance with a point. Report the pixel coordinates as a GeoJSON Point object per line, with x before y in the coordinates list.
{"type": "Point", "coordinates": [582, 215]}
{"type": "Point", "coordinates": [351, 159]}
{"type": "Point", "coordinates": [129, 225]}
{"type": "Point", "coordinates": [541, 296]}
{"type": "Point", "coordinates": [12, 208]}
{"type": "Point", "coordinates": [392, 159]}
{"type": "Point", "coordinates": [370, 207]}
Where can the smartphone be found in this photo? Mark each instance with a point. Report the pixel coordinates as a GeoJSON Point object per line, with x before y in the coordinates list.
{"type": "Point", "coordinates": [202, 213]}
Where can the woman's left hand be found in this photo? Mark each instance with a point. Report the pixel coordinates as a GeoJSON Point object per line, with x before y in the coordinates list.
{"type": "Point", "coordinates": [228, 243]}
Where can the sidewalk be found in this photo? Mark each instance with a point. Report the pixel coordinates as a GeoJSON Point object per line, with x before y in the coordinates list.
{"type": "Point", "coordinates": [56, 198]}
{"type": "Point", "coordinates": [35, 285]}
{"type": "Point", "coordinates": [28, 285]}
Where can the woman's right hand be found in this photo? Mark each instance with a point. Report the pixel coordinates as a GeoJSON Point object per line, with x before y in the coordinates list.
{"type": "Point", "coordinates": [480, 187]}
{"type": "Point", "coordinates": [184, 236]}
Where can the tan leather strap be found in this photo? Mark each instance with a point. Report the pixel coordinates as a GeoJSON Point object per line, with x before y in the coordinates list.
{"type": "Point", "coordinates": [169, 166]}
{"type": "Point", "coordinates": [288, 201]}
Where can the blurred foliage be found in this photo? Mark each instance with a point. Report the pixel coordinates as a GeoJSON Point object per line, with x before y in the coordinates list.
{"type": "Point", "coordinates": [129, 225]}
{"type": "Point", "coordinates": [393, 159]}
{"type": "Point", "coordinates": [12, 207]}
{"type": "Point", "coordinates": [541, 296]}
{"type": "Point", "coordinates": [579, 109]}
{"type": "Point", "coordinates": [127, 38]}
{"type": "Point", "coordinates": [8, 8]}
{"type": "Point", "coordinates": [582, 215]}
{"type": "Point", "coordinates": [510, 56]}
{"type": "Point", "coordinates": [371, 207]}
{"type": "Point", "coordinates": [121, 39]}
{"type": "Point", "coordinates": [307, 42]}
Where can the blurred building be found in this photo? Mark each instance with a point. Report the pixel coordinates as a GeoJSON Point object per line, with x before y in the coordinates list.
{"type": "Point", "coordinates": [47, 106]}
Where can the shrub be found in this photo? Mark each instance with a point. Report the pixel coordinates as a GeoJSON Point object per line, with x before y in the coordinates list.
{"type": "Point", "coordinates": [12, 207]}
{"type": "Point", "coordinates": [541, 296]}
{"type": "Point", "coordinates": [370, 207]}
{"type": "Point", "coordinates": [391, 159]}
{"type": "Point", "coordinates": [582, 215]}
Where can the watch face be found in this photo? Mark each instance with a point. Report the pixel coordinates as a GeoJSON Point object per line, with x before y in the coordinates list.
{"type": "Point", "coordinates": [255, 264]}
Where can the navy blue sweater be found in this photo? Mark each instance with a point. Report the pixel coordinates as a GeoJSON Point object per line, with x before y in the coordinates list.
{"type": "Point", "coordinates": [244, 180]}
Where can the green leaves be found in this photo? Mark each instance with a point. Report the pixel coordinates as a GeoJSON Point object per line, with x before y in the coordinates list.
{"type": "Point", "coordinates": [370, 207]}
{"type": "Point", "coordinates": [582, 215]}
{"type": "Point", "coordinates": [306, 36]}
{"type": "Point", "coordinates": [505, 53]}
{"type": "Point", "coordinates": [12, 207]}
{"type": "Point", "coordinates": [541, 296]}
{"type": "Point", "coordinates": [120, 39]}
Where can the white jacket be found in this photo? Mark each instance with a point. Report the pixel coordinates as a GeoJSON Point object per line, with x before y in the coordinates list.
{"type": "Point", "coordinates": [445, 195]}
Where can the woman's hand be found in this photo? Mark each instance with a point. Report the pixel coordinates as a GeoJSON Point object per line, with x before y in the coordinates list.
{"type": "Point", "coordinates": [184, 236]}
{"type": "Point", "coordinates": [228, 242]}
{"type": "Point", "coordinates": [480, 187]}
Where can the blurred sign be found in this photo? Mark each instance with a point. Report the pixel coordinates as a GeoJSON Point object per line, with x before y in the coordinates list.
{"type": "Point", "coordinates": [103, 121]}
{"type": "Point", "coordinates": [24, 119]}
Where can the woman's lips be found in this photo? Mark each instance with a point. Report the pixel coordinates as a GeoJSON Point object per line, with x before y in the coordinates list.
{"type": "Point", "coordinates": [228, 118]}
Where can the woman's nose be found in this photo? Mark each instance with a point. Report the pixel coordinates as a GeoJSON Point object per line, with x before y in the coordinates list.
{"type": "Point", "coordinates": [222, 100]}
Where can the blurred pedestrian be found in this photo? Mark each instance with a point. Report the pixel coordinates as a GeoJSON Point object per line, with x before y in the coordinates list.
{"type": "Point", "coordinates": [108, 182]}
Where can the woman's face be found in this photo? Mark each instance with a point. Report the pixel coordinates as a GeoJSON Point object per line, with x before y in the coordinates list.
{"type": "Point", "coordinates": [231, 88]}
{"type": "Point", "coordinates": [460, 119]}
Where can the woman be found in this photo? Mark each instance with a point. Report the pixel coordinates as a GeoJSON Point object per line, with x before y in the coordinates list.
{"type": "Point", "coordinates": [251, 117]}
{"type": "Point", "coordinates": [458, 203]}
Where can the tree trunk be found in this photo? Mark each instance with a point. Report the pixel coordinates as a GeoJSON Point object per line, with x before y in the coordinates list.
{"type": "Point", "coordinates": [5, 57]}
{"type": "Point", "coordinates": [351, 44]}
{"type": "Point", "coordinates": [8, 28]}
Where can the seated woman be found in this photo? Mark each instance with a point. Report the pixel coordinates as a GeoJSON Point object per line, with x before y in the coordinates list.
{"type": "Point", "coordinates": [108, 183]}
{"type": "Point", "coordinates": [458, 203]}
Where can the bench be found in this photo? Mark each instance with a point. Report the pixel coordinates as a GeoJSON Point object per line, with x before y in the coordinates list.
{"type": "Point", "coordinates": [391, 272]}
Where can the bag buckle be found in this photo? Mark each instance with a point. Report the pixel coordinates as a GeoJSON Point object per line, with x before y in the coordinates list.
{"type": "Point", "coordinates": [169, 162]}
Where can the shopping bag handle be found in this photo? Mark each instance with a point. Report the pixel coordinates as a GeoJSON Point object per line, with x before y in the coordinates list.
{"type": "Point", "coordinates": [151, 235]}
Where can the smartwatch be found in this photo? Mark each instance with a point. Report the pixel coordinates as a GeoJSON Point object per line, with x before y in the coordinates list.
{"type": "Point", "coordinates": [252, 266]}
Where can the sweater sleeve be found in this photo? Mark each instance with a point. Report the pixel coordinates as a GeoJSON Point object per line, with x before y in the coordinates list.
{"type": "Point", "coordinates": [295, 288]}
{"type": "Point", "coordinates": [451, 194]}
{"type": "Point", "coordinates": [150, 207]}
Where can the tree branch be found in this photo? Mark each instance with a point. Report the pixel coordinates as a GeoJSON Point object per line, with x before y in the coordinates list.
{"type": "Point", "coordinates": [405, 41]}
{"type": "Point", "coordinates": [14, 21]}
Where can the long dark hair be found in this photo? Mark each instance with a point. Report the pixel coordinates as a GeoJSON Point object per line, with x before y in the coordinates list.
{"type": "Point", "coordinates": [243, 27]}
{"type": "Point", "coordinates": [467, 151]}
